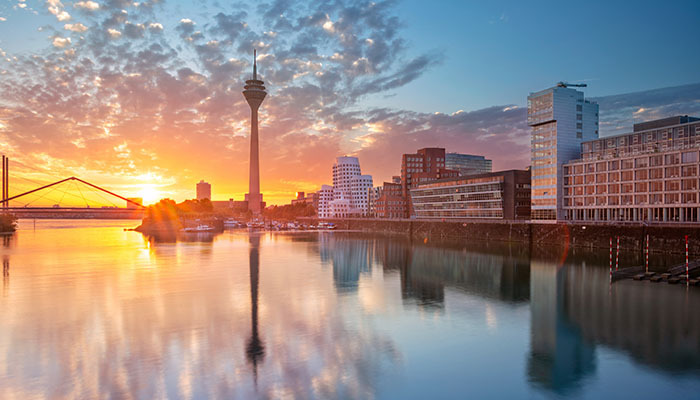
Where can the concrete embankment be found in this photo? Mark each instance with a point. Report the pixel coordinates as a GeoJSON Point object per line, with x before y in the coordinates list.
{"type": "Point", "coordinates": [668, 239]}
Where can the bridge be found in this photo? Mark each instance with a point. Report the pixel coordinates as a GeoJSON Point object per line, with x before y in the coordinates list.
{"type": "Point", "coordinates": [67, 198]}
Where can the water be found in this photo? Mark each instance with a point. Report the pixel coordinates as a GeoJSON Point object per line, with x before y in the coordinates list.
{"type": "Point", "coordinates": [88, 310]}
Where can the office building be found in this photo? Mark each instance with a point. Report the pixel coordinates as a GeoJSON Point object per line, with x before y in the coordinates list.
{"type": "Point", "coordinates": [391, 203]}
{"type": "Point", "coordinates": [649, 175]}
{"type": "Point", "coordinates": [561, 119]}
{"type": "Point", "coordinates": [496, 195]}
{"type": "Point", "coordinates": [426, 165]}
{"type": "Point", "coordinates": [203, 190]}
{"type": "Point", "coordinates": [467, 164]}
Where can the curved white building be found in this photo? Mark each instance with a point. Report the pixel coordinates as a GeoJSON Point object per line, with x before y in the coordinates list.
{"type": "Point", "coordinates": [350, 191]}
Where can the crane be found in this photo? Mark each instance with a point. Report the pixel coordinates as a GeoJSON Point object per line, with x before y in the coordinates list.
{"type": "Point", "coordinates": [565, 84]}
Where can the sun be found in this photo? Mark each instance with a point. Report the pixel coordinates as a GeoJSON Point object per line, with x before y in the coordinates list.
{"type": "Point", "coordinates": [150, 194]}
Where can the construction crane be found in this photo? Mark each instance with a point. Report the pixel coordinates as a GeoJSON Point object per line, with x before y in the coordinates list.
{"type": "Point", "coordinates": [565, 84]}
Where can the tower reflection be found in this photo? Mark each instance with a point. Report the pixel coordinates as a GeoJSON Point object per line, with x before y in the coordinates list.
{"type": "Point", "coordinates": [255, 348]}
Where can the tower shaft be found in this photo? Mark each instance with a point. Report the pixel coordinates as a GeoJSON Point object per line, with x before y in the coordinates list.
{"type": "Point", "coordinates": [254, 200]}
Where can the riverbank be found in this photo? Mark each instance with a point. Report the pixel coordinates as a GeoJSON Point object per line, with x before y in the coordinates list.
{"type": "Point", "coordinates": [664, 239]}
{"type": "Point", "coordinates": [8, 223]}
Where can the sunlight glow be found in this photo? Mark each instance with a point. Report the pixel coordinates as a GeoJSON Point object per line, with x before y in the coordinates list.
{"type": "Point", "coordinates": [150, 194]}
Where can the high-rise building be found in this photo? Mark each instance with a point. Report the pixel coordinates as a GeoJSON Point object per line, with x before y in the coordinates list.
{"type": "Point", "coordinates": [561, 119]}
{"type": "Point", "coordinates": [426, 165]}
{"type": "Point", "coordinates": [467, 164]}
{"type": "Point", "coordinates": [254, 93]}
{"type": "Point", "coordinates": [203, 190]}
{"type": "Point", "coordinates": [649, 175]}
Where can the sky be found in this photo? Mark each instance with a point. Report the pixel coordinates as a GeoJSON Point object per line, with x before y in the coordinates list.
{"type": "Point", "coordinates": [144, 98]}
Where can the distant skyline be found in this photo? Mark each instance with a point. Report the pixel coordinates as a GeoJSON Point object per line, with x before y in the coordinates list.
{"type": "Point", "coordinates": [144, 97]}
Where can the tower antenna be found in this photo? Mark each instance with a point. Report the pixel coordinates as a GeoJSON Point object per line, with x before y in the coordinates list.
{"type": "Point", "coordinates": [255, 64]}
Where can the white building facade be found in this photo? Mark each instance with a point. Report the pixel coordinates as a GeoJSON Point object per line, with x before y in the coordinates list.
{"type": "Point", "coordinates": [561, 119]}
{"type": "Point", "coordinates": [325, 196]}
{"type": "Point", "coordinates": [350, 191]}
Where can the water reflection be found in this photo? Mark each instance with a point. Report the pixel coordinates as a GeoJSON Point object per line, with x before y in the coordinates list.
{"type": "Point", "coordinates": [426, 270]}
{"type": "Point", "coordinates": [559, 356]}
{"type": "Point", "coordinates": [255, 349]}
{"type": "Point", "coordinates": [349, 257]}
{"type": "Point", "coordinates": [98, 312]}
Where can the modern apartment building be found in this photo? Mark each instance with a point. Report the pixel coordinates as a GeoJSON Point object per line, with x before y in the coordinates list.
{"type": "Point", "coordinates": [203, 190]}
{"type": "Point", "coordinates": [349, 191]}
{"type": "Point", "coordinates": [391, 203]}
{"type": "Point", "coordinates": [325, 196]}
{"type": "Point", "coordinates": [467, 164]}
{"type": "Point", "coordinates": [373, 194]}
{"type": "Point", "coordinates": [648, 175]}
{"type": "Point", "coordinates": [561, 119]}
{"type": "Point", "coordinates": [496, 195]}
{"type": "Point", "coordinates": [426, 165]}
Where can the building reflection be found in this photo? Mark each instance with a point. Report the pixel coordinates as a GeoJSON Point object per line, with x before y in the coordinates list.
{"type": "Point", "coordinates": [656, 324]}
{"type": "Point", "coordinates": [255, 349]}
{"type": "Point", "coordinates": [426, 270]}
{"type": "Point", "coordinates": [349, 257]}
{"type": "Point", "coordinates": [559, 357]}
{"type": "Point", "coordinates": [574, 310]}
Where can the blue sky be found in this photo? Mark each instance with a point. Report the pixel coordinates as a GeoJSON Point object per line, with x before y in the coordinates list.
{"type": "Point", "coordinates": [496, 52]}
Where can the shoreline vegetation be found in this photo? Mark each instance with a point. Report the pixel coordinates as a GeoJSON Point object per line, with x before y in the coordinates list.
{"type": "Point", "coordinates": [8, 223]}
{"type": "Point", "coordinates": [167, 217]}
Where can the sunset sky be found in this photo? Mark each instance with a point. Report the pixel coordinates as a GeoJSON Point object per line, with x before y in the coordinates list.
{"type": "Point", "coordinates": [144, 98]}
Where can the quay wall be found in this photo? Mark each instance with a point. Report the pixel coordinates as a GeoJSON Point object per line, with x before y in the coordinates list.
{"type": "Point", "coordinates": [662, 238]}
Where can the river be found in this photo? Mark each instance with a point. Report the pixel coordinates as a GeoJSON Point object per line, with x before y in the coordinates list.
{"type": "Point", "coordinates": [89, 310]}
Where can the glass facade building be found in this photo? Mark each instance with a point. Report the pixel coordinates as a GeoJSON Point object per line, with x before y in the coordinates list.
{"type": "Point", "coordinates": [467, 164]}
{"type": "Point", "coordinates": [650, 175]}
{"type": "Point", "coordinates": [498, 195]}
{"type": "Point", "coordinates": [561, 119]}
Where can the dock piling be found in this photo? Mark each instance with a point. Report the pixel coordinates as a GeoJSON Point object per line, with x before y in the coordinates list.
{"type": "Point", "coordinates": [687, 274]}
{"type": "Point", "coordinates": [646, 255]}
{"type": "Point", "coordinates": [611, 259]}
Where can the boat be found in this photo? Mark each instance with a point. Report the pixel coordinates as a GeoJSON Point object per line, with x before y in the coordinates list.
{"type": "Point", "coordinates": [199, 228]}
{"type": "Point", "coordinates": [231, 223]}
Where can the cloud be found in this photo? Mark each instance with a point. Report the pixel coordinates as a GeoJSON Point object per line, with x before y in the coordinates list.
{"type": "Point", "coordinates": [173, 97]}
{"type": "Point", "coordinates": [77, 27]}
{"type": "Point", "coordinates": [155, 27]}
{"type": "Point", "coordinates": [55, 7]}
{"type": "Point", "coordinates": [87, 5]}
{"type": "Point", "coordinates": [60, 41]}
{"type": "Point", "coordinates": [114, 33]}
{"type": "Point", "coordinates": [619, 112]}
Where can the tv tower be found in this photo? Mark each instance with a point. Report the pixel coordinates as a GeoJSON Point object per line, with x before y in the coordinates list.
{"type": "Point", "coordinates": [254, 93]}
